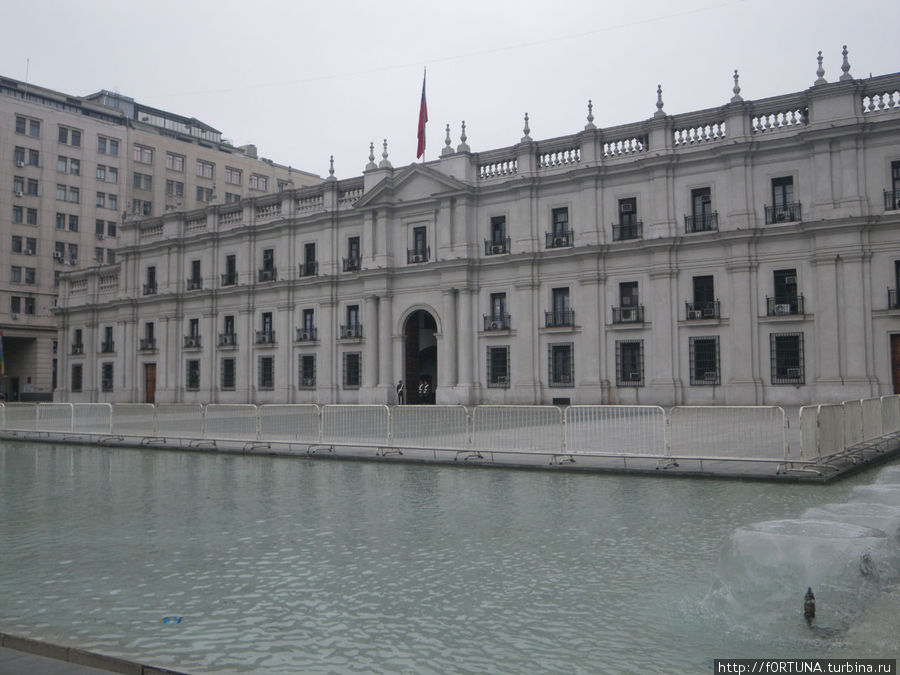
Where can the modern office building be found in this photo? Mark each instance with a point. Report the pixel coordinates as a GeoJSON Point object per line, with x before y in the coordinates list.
{"type": "Point", "coordinates": [71, 170]}
{"type": "Point", "coordinates": [745, 254]}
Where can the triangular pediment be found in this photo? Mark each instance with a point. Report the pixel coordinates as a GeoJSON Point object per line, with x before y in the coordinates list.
{"type": "Point", "coordinates": [413, 184]}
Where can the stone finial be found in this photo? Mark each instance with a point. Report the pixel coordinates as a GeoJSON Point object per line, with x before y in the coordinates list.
{"type": "Point", "coordinates": [590, 116]}
{"type": "Point", "coordinates": [384, 163]}
{"type": "Point", "coordinates": [371, 165]}
{"type": "Point", "coordinates": [845, 66]}
{"type": "Point", "coordinates": [820, 71]}
{"type": "Point", "coordinates": [463, 146]}
{"type": "Point", "coordinates": [659, 102]}
{"type": "Point", "coordinates": [737, 98]}
{"type": "Point", "coordinates": [331, 168]}
{"type": "Point", "coordinates": [447, 150]}
{"type": "Point", "coordinates": [526, 130]}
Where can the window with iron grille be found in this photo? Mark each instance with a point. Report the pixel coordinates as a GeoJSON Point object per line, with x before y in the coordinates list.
{"type": "Point", "coordinates": [192, 376]}
{"type": "Point", "coordinates": [786, 357]}
{"type": "Point", "coordinates": [629, 363]}
{"type": "Point", "coordinates": [106, 377]}
{"type": "Point", "coordinates": [266, 372]}
{"type": "Point", "coordinates": [352, 364]}
{"type": "Point", "coordinates": [561, 363]}
{"type": "Point", "coordinates": [498, 367]}
{"type": "Point", "coordinates": [704, 355]}
{"type": "Point", "coordinates": [76, 377]}
{"type": "Point", "coordinates": [307, 374]}
{"type": "Point", "coordinates": [228, 374]}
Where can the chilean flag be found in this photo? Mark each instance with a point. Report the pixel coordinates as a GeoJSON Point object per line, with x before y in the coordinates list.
{"type": "Point", "coordinates": [423, 118]}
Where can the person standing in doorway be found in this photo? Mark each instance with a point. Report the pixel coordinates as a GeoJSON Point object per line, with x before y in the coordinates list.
{"type": "Point", "coordinates": [401, 392]}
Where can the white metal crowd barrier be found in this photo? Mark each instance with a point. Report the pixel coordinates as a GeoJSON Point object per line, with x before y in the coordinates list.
{"type": "Point", "coordinates": [179, 420]}
{"type": "Point", "coordinates": [356, 424]}
{"type": "Point", "coordinates": [290, 422]}
{"type": "Point", "coordinates": [871, 418]}
{"type": "Point", "coordinates": [20, 416]}
{"type": "Point", "coordinates": [94, 418]}
{"type": "Point", "coordinates": [890, 414]}
{"type": "Point", "coordinates": [54, 417]}
{"type": "Point", "coordinates": [853, 423]}
{"type": "Point", "coordinates": [728, 431]}
{"type": "Point", "coordinates": [518, 427]}
{"type": "Point", "coordinates": [616, 430]}
{"type": "Point", "coordinates": [231, 421]}
{"type": "Point", "coordinates": [430, 426]}
{"type": "Point", "coordinates": [134, 419]}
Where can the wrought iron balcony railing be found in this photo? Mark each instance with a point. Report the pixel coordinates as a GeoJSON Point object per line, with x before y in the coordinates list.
{"type": "Point", "coordinates": [309, 269]}
{"type": "Point", "coordinates": [788, 213]}
{"type": "Point", "coordinates": [307, 334]}
{"type": "Point", "coordinates": [893, 298]}
{"type": "Point", "coordinates": [702, 222]}
{"type": "Point", "coordinates": [351, 331]}
{"type": "Point", "coordinates": [229, 279]}
{"type": "Point", "coordinates": [498, 247]}
{"type": "Point", "coordinates": [892, 200]}
{"type": "Point", "coordinates": [194, 284]}
{"type": "Point", "coordinates": [633, 230]}
{"type": "Point", "coordinates": [418, 255]}
{"type": "Point", "coordinates": [559, 318]}
{"type": "Point", "coordinates": [496, 322]}
{"type": "Point", "coordinates": [784, 305]}
{"type": "Point", "coordinates": [265, 337]}
{"type": "Point", "coordinates": [192, 342]}
{"type": "Point", "coordinates": [634, 314]}
{"type": "Point", "coordinates": [352, 264]}
{"type": "Point", "coordinates": [107, 347]}
{"type": "Point", "coordinates": [559, 239]}
{"type": "Point", "coordinates": [267, 274]}
{"type": "Point", "coordinates": [227, 339]}
{"type": "Point", "coordinates": [702, 310]}
{"type": "Point", "coordinates": [149, 289]}
{"type": "Point", "coordinates": [78, 348]}
{"type": "Point", "coordinates": [148, 344]}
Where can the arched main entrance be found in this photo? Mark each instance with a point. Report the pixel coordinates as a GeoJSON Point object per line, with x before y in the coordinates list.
{"type": "Point", "coordinates": [420, 356]}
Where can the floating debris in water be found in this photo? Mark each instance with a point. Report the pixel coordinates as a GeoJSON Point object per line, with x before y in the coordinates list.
{"type": "Point", "coordinates": [171, 619]}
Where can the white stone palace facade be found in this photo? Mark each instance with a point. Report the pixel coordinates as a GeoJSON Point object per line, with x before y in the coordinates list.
{"type": "Point", "coordinates": [746, 254]}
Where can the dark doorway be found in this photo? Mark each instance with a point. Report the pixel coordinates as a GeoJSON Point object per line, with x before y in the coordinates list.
{"type": "Point", "coordinates": [149, 383]}
{"type": "Point", "coordinates": [895, 362]}
{"type": "Point", "coordinates": [420, 353]}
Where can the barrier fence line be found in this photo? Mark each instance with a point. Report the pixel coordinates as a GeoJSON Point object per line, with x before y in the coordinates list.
{"type": "Point", "coordinates": [853, 423]}
{"type": "Point", "coordinates": [21, 416]}
{"type": "Point", "coordinates": [430, 426]}
{"type": "Point", "coordinates": [134, 419]}
{"type": "Point", "coordinates": [616, 430]}
{"type": "Point", "coordinates": [728, 431]}
{"type": "Point", "coordinates": [871, 418]}
{"type": "Point", "coordinates": [231, 422]}
{"type": "Point", "coordinates": [179, 420]}
{"type": "Point", "coordinates": [809, 420]}
{"type": "Point", "coordinates": [55, 417]}
{"type": "Point", "coordinates": [520, 427]}
{"type": "Point", "coordinates": [300, 422]}
{"type": "Point", "coordinates": [890, 414]}
{"type": "Point", "coordinates": [356, 424]}
{"type": "Point", "coordinates": [830, 432]}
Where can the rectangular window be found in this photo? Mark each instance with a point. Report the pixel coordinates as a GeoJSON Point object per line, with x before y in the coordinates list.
{"type": "Point", "coordinates": [29, 305]}
{"type": "Point", "coordinates": [704, 304]}
{"type": "Point", "coordinates": [110, 257]}
{"type": "Point", "coordinates": [15, 274]}
{"type": "Point", "coordinates": [629, 363]}
{"type": "Point", "coordinates": [106, 377]}
{"type": "Point", "coordinates": [73, 222]}
{"type": "Point", "coordinates": [307, 374]}
{"type": "Point", "coordinates": [227, 379]}
{"type": "Point", "coordinates": [61, 192]}
{"type": "Point", "coordinates": [498, 367]}
{"type": "Point", "coordinates": [204, 194]}
{"type": "Point", "coordinates": [73, 253]}
{"type": "Point", "coordinates": [70, 137]}
{"type": "Point", "coordinates": [112, 174]}
{"type": "Point", "coordinates": [627, 213]}
{"type": "Point", "coordinates": [560, 222]}
{"type": "Point", "coordinates": [29, 275]}
{"type": "Point", "coordinates": [19, 187]}
{"type": "Point", "coordinates": [32, 187]}
{"type": "Point", "coordinates": [142, 154]}
{"type": "Point", "coordinates": [76, 377]}
{"type": "Point", "coordinates": [34, 158]}
{"type": "Point", "coordinates": [561, 312]}
{"type": "Point", "coordinates": [258, 182]}
{"type": "Point", "coordinates": [232, 176]}
{"type": "Point", "coordinates": [110, 229]}
{"type": "Point", "coordinates": [266, 372]}
{"type": "Point", "coordinates": [231, 198]}
{"type": "Point", "coordinates": [143, 181]}
{"type": "Point", "coordinates": [498, 242]}
{"type": "Point", "coordinates": [561, 363]}
{"type": "Point", "coordinates": [205, 169]}
{"type": "Point", "coordinates": [786, 299]}
{"type": "Point", "coordinates": [30, 245]}
{"type": "Point", "coordinates": [31, 216]}
{"type": "Point", "coordinates": [628, 294]}
{"type": "Point", "coordinates": [141, 207]}
{"type": "Point", "coordinates": [20, 125]}
{"type": "Point", "coordinates": [702, 218]}
{"type": "Point", "coordinates": [15, 304]}
{"type": "Point", "coordinates": [74, 195]}
{"type": "Point", "coordinates": [34, 128]}
{"type": "Point", "coordinates": [704, 361]}
{"type": "Point", "coordinates": [107, 146]}
{"type": "Point", "coordinates": [16, 244]}
{"type": "Point", "coordinates": [268, 261]}
{"type": "Point", "coordinates": [17, 214]}
{"type": "Point", "coordinates": [352, 370]}
{"type": "Point", "coordinates": [192, 375]}
{"type": "Point", "coordinates": [60, 252]}
{"type": "Point", "coordinates": [175, 162]}
{"type": "Point", "coordinates": [19, 156]}
{"type": "Point", "coordinates": [98, 255]}
{"type": "Point", "coordinates": [101, 200]}
{"type": "Point", "coordinates": [786, 358]}
{"type": "Point", "coordinates": [784, 208]}
{"type": "Point", "coordinates": [174, 188]}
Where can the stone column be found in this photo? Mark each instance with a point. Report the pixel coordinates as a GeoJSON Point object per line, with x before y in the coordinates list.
{"type": "Point", "coordinates": [464, 336]}
{"type": "Point", "coordinates": [739, 351]}
{"type": "Point", "coordinates": [327, 366]}
{"type": "Point", "coordinates": [385, 348]}
{"type": "Point", "coordinates": [855, 329]}
{"type": "Point", "coordinates": [448, 361]}
{"type": "Point", "coordinates": [370, 343]}
{"type": "Point", "coordinates": [587, 355]}
{"type": "Point", "coordinates": [826, 361]}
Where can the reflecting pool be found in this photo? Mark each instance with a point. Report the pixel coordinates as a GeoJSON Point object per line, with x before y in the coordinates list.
{"type": "Point", "coordinates": [279, 565]}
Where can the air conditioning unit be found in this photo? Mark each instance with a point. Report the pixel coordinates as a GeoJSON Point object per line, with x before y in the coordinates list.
{"type": "Point", "coordinates": [19, 193]}
{"type": "Point", "coordinates": [793, 372]}
{"type": "Point", "coordinates": [783, 308]}
{"type": "Point", "coordinates": [57, 256]}
{"type": "Point", "coordinates": [28, 251]}
{"type": "Point", "coordinates": [629, 314]}
{"type": "Point", "coordinates": [558, 242]}
{"type": "Point", "coordinates": [100, 236]}
{"type": "Point", "coordinates": [695, 314]}
{"type": "Point", "coordinates": [495, 325]}
{"type": "Point", "coordinates": [497, 248]}
{"type": "Point", "coordinates": [419, 257]}
{"type": "Point", "coordinates": [306, 335]}
{"type": "Point", "coordinates": [15, 317]}
{"type": "Point", "coordinates": [20, 164]}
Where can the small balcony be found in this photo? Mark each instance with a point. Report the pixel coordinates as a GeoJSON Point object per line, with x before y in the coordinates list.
{"type": "Point", "coordinates": [78, 348]}
{"type": "Point", "coordinates": [893, 298]}
{"type": "Point", "coordinates": [192, 342]}
{"type": "Point", "coordinates": [150, 289]}
{"type": "Point", "coordinates": [559, 318]}
{"type": "Point", "coordinates": [309, 269]}
{"type": "Point", "coordinates": [267, 274]}
{"type": "Point", "coordinates": [227, 340]}
{"type": "Point", "coordinates": [496, 322]}
{"type": "Point", "coordinates": [892, 200]}
{"type": "Point", "coordinates": [352, 264]}
{"type": "Point", "coordinates": [787, 213]}
{"type": "Point", "coordinates": [559, 239]}
{"type": "Point", "coordinates": [351, 331]}
{"type": "Point", "coordinates": [265, 337]}
{"type": "Point", "coordinates": [148, 344]}
{"type": "Point", "coordinates": [193, 284]}
{"type": "Point", "coordinates": [307, 334]}
{"type": "Point", "coordinates": [418, 255]}
{"type": "Point", "coordinates": [623, 232]}
{"type": "Point", "coordinates": [498, 247]}
{"type": "Point", "coordinates": [702, 222]}
{"type": "Point", "coordinates": [229, 279]}
{"type": "Point", "coordinates": [634, 314]}
{"type": "Point", "coordinates": [107, 347]}
{"type": "Point", "coordinates": [784, 306]}
{"type": "Point", "coordinates": [702, 310]}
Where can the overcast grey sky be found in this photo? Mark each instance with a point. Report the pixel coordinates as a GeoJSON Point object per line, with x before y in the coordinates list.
{"type": "Point", "coordinates": [305, 80]}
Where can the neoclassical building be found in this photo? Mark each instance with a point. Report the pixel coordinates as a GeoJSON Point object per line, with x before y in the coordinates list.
{"type": "Point", "coordinates": [745, 254]}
